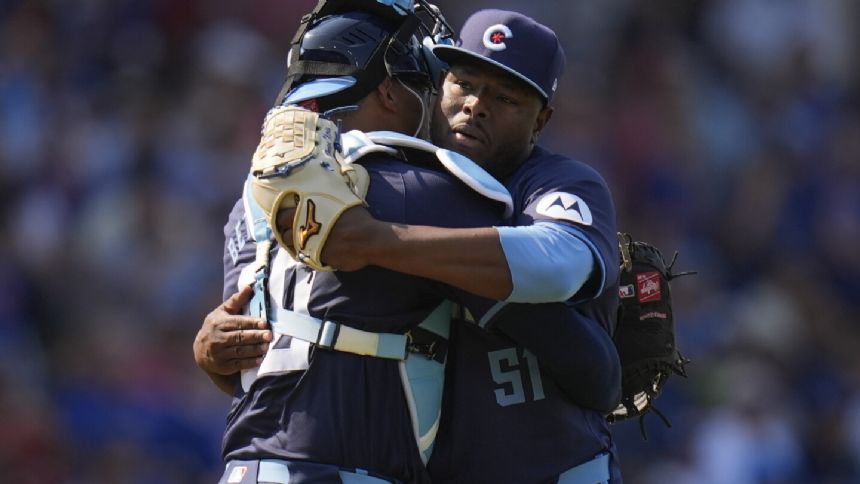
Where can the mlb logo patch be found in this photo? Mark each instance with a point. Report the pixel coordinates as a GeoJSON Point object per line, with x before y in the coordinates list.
{"type": "Point", "coordinates": [237, 474]}
{"type": "Point", "coordinates": [626, 291]}
{"type": "Point", "coordinates": [648, 284]}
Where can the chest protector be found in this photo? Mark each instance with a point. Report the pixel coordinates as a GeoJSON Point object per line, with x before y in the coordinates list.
{"type": "Point", "coordinates": [420, 353]}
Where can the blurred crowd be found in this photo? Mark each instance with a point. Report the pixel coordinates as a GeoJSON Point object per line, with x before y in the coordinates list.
{"type": "Point", "coordinates": [728, 130]}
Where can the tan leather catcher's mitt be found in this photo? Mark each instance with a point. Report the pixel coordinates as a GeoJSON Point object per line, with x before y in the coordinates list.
{"type": "Point", "coordinates": [297, 165]}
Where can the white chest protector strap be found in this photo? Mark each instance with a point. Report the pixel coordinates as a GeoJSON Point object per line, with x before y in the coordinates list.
{"type": "Point", "coordinates": [422, 374]}
{"type": "Point", "coordinates": [427, 340]}
{"type": "Point", "coordinates": [258, 274]}
{"type": "Point", "coordinates": [357, 144]}
{"type": "Point", "coordinates": [335, 336]}
{"type": "Point", "coordinates": [255, 219]}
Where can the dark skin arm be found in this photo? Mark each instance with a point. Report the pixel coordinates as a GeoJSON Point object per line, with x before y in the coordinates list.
{"type": "Point", "coordinates": [229, 342]}
{"type": "Point", "coordinates": [359, 240]}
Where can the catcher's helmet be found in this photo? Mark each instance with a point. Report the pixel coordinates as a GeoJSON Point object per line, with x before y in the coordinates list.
{"type": "Point", "coordinates": [342, 56]}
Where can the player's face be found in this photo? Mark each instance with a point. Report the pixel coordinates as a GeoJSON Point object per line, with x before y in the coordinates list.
{"type": "Point", "coordinates": [487, 115]}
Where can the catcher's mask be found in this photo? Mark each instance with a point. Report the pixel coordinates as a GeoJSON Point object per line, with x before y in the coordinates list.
{"type": "Point", "coordinates": [344, 49]}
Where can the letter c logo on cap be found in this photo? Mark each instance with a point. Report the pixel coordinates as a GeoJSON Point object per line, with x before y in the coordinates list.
{"type": "Point", "coordinates": [495, 35]}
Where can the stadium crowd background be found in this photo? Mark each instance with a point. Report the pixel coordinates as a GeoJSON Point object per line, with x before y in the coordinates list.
{"type": "Point", "coordinates": [729, 129]}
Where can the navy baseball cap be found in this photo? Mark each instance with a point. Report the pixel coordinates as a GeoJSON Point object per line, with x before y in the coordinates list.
{"type": "Point", "coordinates": [513, 42]}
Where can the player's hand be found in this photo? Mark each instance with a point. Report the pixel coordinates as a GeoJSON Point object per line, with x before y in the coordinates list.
{"type": "Point", "coordinates": [349, 242]}
{"type": "Point", "coordinates": [228, 341]}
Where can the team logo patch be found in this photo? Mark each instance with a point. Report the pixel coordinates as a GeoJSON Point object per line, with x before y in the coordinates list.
{"type": "Point", "coordinates": [495, 36]}
{"type": "Point", "coordinates": [237, 474]}
{"type": "Point", "coordinates": [311, 226]}
{"type": "Point", "coordinates": [565, 206]}
{"type": "Point", "coordinates": [648, 284]}
{"type": "Point", "coordinates": [626, 291]}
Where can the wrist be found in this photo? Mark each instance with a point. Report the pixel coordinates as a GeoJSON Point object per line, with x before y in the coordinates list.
{"type": "Point", "coordinates": [370, 240]}
{"type": "Point", "coordinates": [352, 242]}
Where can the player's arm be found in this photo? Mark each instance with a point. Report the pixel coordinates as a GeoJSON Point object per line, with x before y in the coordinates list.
{"type": "Point", "coordinates": [229, 342]}
{"type": "Point", "coordinates": [471, 259]}
{"type": "Point", "coordinates": [571, 342]}
{"type": "Point", "coordinates": [543, 263]}
{"type": "Point", "coordinates": [562, 245]}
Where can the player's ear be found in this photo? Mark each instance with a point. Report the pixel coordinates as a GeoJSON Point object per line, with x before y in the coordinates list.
{"type": "Point", "coordinates": [386, 94]}
{"type": "Point", "coordinates": [541, 121]}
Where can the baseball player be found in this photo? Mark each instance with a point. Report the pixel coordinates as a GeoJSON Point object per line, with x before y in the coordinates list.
{"type": "Point", "coordinates": [321, 411]}
{"type": "Point", "coordinates": [510, 318]}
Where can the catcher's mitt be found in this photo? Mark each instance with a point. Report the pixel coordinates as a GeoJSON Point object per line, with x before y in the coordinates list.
{"type": "Point", "coordinates": [644, 332]}
{"type": "Point", "coordinates": [297, 164]}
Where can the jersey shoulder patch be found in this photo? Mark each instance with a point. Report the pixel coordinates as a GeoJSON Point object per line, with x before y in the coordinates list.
{"type": "Point", "coordinates": [565, 206]}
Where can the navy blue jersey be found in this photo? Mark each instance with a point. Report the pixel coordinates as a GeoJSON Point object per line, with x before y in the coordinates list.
{"type": "Point", "coordinates": [239, 248]}
{"type": "Point", "coordinates": [504, 420]}
{"type": "Point", "coordinates": [550, 187]}
{"type": "Point", "coordinates": [340, 408]}
{"type": "Point", "coordinates": [529, 431]}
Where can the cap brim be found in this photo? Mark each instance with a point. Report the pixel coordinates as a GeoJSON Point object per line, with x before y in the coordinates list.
{"type": "Point", "coordinates": [318, 88]}
{"type": "Point", "coordinates": [450, 54]}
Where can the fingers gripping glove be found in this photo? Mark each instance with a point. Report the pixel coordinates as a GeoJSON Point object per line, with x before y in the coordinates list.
{"type": "Point", "coordinates": [645, 333]}
{"type": "Point", "coordinates": [297, 164]}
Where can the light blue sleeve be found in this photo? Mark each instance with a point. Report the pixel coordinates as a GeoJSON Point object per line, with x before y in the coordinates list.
{"type": "Point", "coordinates": [548, 261]}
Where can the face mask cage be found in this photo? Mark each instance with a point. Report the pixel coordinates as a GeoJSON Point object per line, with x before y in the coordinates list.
{"type": "Point", "coordinates": [366, 44]}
